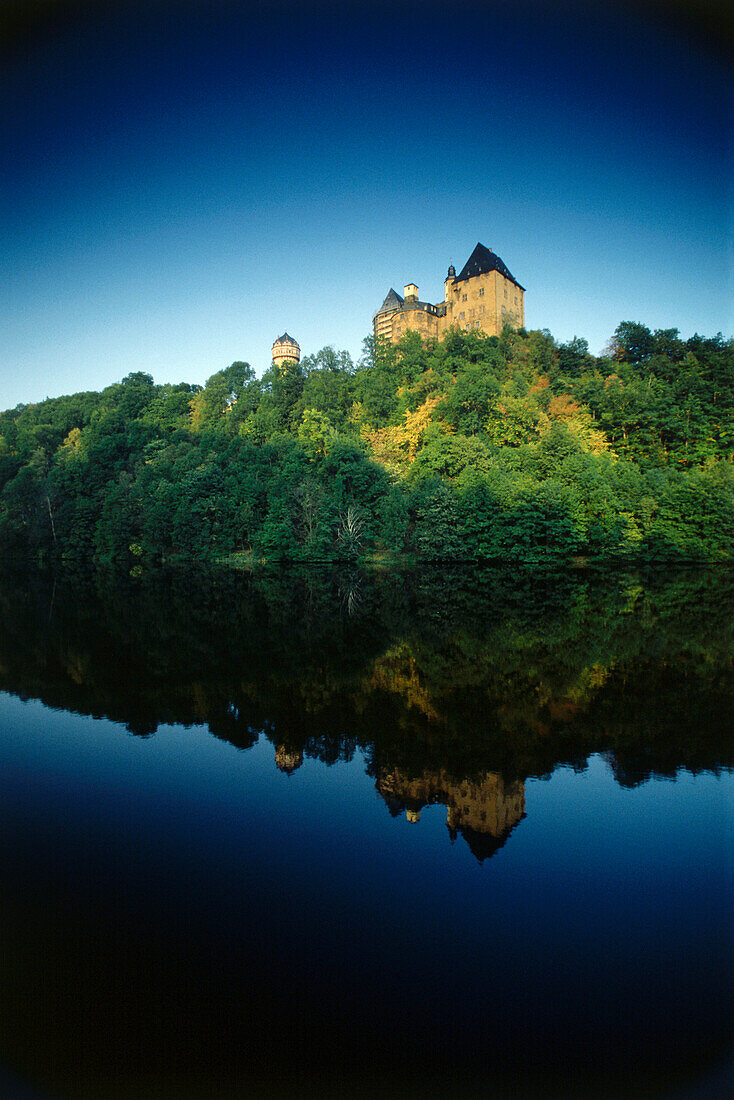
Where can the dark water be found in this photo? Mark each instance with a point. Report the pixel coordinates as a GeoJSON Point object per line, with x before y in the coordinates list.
{"type": "Point", "coordinates": [437, 834]}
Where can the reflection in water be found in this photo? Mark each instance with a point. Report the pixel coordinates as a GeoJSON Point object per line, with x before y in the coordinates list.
{"type": "Point", "coordinates": [463, 672]}
{"type": "Point", "coordinates": [483, 809]}
{"type": "Point", "coordinates": [288, 760]}
{"type": "Point", "coordinates": [237, 914]}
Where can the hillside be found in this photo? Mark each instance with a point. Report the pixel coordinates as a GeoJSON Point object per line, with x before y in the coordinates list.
{"type": "Point", "coordinates": [470, 448]}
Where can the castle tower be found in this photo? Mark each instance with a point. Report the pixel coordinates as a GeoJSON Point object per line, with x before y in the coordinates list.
{"type": "Point", "coordinates": [286, 350]}
{"type": "Point", "coordinates": [287, 759]}
{"type": "Point", "coordinates": [448, 296]}
{"type": "Point", "coordinates": [449, 281]}
{"type": "Point", "coordinates": [382, 320]}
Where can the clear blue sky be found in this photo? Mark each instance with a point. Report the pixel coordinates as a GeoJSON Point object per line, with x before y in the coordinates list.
{"type": "Point", "coordinates": [180, 182]}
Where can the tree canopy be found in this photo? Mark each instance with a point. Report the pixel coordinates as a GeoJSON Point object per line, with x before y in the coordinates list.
{"type": "Point", "coordinates": [470, 447]}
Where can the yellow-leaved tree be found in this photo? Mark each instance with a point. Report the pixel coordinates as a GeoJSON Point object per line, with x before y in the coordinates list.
{"type": "Point", "coordinates": [395, 447]}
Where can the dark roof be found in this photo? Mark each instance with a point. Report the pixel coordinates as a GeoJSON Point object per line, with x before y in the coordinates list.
{"type": "Point", "coordinates": [483, 845]}
{"type": "Point", "coordinates": [392, 301]}
{"type": "Point", "coordinates": [413, 304]}
{"type": "Point", "coordinates": [480, 262]}
{"type": "Point", "coordinates": [286, 339]}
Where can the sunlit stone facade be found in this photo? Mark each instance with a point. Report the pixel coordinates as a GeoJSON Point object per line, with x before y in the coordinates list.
{"type": "Point", "coordinates": [484, 296]}
{"type": "Point", "coordinates": [286, 349]}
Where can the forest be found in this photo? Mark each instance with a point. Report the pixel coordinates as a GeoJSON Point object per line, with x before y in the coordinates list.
{"type": "Point", "coordinates": [472, 448]}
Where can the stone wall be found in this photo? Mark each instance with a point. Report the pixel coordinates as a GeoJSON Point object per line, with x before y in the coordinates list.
{"type": "Point", "coordinates": [485, 302]}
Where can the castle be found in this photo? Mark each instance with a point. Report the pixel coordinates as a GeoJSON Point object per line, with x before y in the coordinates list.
{"type": "Point", "coordinates": [483, 296]}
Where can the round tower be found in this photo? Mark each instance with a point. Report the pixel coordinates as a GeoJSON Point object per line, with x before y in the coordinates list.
{"type": "Point", "coordinates": [288, 760]}
{"type": "Point", "coordinates": [286, 349]}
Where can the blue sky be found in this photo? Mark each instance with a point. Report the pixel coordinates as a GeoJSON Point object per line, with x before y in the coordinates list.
{"type": "Point", "coordinates": [180, 182]}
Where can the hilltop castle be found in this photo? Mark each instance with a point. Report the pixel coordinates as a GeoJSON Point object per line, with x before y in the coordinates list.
{"type": "Point", "coordinates": [483, 296]}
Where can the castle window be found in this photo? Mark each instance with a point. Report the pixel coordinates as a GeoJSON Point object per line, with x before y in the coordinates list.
{"type": "Point", "coordinates": [461, 316]}
{"type": "Point", "coordinates": [471, 312]}
{"type": "Point", "coordinates": [481, 309]}
{"type": "Point", "coordinates": [481, 292]}
{"type": "Point", "coordinates": [505, 292]}
{"type": "Point", "coordinates": [463, 297]}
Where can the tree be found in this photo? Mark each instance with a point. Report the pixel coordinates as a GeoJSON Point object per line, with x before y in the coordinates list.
{"type": "Point", "coordinates": [573, 357]}
{"type": "Point", "coordinates": [632, 342]}
{"type": "Point", "coordinates": [471, 401]}
{"type": "Point", "coordinates": [351, 531]}
{"type": "Point", "coordinates": [315, 433]}
{"type": "Point", "coordinates": [220, 394]}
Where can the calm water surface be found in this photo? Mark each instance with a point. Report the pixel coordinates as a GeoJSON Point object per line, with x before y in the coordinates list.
{"type": "Point", "coordinates": [366, 836]}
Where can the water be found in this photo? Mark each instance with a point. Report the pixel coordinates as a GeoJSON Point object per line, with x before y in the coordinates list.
{"type": "Point", "coordinates": [363, 835]}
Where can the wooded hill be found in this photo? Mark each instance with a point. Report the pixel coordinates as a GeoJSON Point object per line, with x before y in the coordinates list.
{"type": "Point", "coordinates": [471, 448]}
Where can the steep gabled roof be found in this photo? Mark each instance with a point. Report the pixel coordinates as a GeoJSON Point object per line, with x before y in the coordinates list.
{"type": "Point", "coordinates": [483, 845]}
{"type": "Point", "coordinates": [481, 261]}
{"type": "Point", "coordinates": [392, 301]}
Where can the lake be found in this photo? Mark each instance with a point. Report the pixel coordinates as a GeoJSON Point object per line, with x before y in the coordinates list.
{"type": "Point", "coordinates": [349, 833]}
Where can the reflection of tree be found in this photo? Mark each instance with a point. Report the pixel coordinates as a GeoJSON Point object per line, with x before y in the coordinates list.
{"type": "Point", "coordinates": [437, 672]}
{"type": "Point", "coordinates": [484, 808]}
{"type": "Point", "coordinates": [350, 592]}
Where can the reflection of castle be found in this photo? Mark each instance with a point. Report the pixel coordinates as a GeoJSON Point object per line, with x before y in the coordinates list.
{"type": "Point", "coordinates": [484, 810]}
{"type": "Point", "coordinates": [288, 759]}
